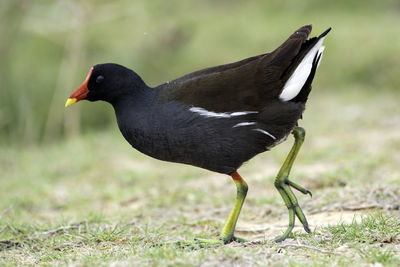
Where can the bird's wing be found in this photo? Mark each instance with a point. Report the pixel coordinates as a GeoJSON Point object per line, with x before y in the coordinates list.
{"type": "Point", "coordinates": [248, 84]}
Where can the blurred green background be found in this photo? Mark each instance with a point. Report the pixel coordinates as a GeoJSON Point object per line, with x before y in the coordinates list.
{"type": "Point", "coordinates": [71, 171]}
{"type": "Point", "coordinates": [47, 48]}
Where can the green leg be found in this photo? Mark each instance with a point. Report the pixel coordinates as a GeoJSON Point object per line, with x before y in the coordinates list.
{"type": "Point", "coordinates": [227, 234]}
{"type": "Point", "coordinates": [283, 184]}
{"type": "Point", "coordinates": [229, 227]}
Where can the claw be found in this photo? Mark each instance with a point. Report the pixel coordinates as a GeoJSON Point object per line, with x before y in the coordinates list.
{"type": "Point", "coordinates": [306, 228]}
{"type": "Point", "coordinates": [279, 240]}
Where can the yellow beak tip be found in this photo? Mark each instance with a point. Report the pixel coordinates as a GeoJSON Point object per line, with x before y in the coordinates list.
{"type": "Point", "coordinates": [70, 101]}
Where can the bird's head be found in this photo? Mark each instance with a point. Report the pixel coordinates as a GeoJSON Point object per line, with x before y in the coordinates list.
{"type": "Point", "coordinates": [108, 82]}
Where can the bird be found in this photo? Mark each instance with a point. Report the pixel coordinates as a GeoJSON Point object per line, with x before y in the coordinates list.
{"type": "Point", "coordinates": [220, 117]}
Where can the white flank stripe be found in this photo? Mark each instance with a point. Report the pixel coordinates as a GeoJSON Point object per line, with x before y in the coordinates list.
{"type": "Point", "coordinates": [210, 114]}
{"type": "Point", "coordinates": [299, 77]}
{"type": "Point", "coordinates": [244, 124]}
{"type": "Point", "coordinates": [241, 113]}
{"type": "Point", "coordinates": [265, 132]}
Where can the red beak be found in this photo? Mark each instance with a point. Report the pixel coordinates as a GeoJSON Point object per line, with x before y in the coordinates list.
{"type": "Point", "coordinates": [81, 92]}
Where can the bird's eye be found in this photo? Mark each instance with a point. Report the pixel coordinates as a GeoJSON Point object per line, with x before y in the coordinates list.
{"type": "Point", "coordinates": [99, 79]}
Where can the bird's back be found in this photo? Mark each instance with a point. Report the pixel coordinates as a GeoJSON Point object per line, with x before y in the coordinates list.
{"type": "Point", "coordinates": [247, 84]}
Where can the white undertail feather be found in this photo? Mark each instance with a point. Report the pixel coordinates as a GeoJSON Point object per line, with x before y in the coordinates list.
{"type": "Point", "coordinates": [299, 77]}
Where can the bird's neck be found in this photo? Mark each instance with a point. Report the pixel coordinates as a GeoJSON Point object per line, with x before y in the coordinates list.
{"type": "Point", "coordinates": [141, 99]}
{"type": "Point", "coordinates": [135, 118]}
{"type": "Point", "coordinates": [132, 110]}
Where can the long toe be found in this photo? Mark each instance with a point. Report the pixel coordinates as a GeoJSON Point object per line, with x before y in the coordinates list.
{"type": "Point", "coordinates": [239, 239]}
{"type": "Point", "coordinates": [298, 187]}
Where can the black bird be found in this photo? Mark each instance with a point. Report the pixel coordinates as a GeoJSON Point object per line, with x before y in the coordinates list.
{"type": "Point", "coordinates": [220, 117]}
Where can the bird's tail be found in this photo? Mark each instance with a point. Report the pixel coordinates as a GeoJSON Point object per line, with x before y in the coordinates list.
{"type": "Point", "coordinates": [303, 68]}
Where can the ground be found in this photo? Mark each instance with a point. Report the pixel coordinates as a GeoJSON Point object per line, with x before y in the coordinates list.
{"type": "Point", "coordinates": [93, 200]}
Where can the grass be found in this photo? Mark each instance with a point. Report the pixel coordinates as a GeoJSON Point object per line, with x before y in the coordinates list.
{"type": "Point", "coordinates": [92, 200]}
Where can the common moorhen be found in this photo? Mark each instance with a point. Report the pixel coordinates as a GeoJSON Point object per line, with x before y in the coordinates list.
{"type": "Point", "coordinates": [220, 117]}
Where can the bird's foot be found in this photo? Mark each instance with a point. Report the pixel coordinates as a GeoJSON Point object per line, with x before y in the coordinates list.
{"type": "Point", "coordinates": [239, 239]}
{"type": "Point", "coordinates": [294, 211]}
{"type": "Point", "coordinates": [220, 241]}
{"type": "Point", "coordinates": [293, 206]}
{"type": "Point", "coordinates": [199, 243]}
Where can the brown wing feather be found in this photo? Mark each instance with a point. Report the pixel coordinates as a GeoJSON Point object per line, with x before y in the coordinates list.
{"type": "Point", "coordinates": [248, 84]}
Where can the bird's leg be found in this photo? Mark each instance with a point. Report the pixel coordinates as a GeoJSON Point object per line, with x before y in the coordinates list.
{"type": "Point", "coordinates": [227, 234]}
{"type": "Point", "coordinates": [229, 227]}
{"type": "Point", "coordinates": [283, 184]}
